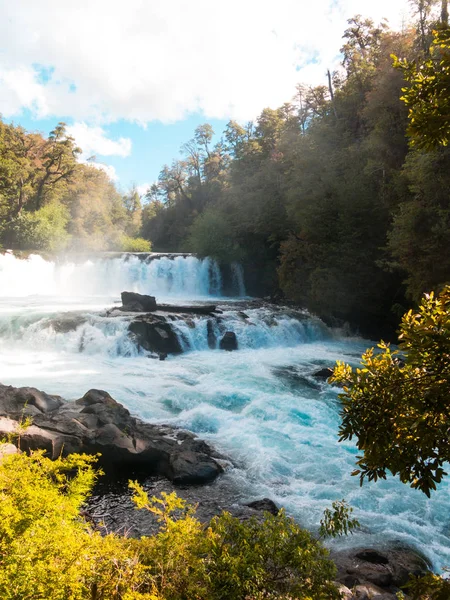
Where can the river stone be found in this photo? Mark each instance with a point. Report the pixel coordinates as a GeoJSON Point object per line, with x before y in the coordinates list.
{"type": "Point", "coordinates": [371, 592]}
{"type": "Point", "coordinates": [324, 373]}
{"type": "Point", "coordinates": [135, 300]}
{"type": "Point", "coordinates": [229, 341]}
{"type": "Point", "coordinates": [96, 423]}
{"type": "Point", "coordinates": [26, 402]}
{"type": "Point", "coordinates": [67, 323]}
{"type": "Point", "coordinates": [265, 505]}
{"type": "Point", "coordinates": [385, 568]}
{"type": "Point", "coordinates": [211, 336]}
{"type": "Point", "coordinates": [346, 594]}
{"type": "Point", "coordinates": [6, 449]}
{"type": "Point", "coordinates": [155, 335]}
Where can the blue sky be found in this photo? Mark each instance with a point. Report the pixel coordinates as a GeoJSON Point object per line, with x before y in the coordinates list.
{"type": "Point", "coordinates": [134, 79]}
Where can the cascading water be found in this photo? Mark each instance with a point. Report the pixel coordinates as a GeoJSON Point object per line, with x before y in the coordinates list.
{"type": "Point", "coordinates": [181, 276]}
{"type": "Point", "coordinates": [260, 405]}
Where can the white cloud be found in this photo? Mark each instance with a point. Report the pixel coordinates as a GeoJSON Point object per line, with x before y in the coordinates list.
{"type": "Point", "coordinates": [93, 140]}
{"type": "Point", "coordinates": [142, 189]}
{"type": "Point", "coordinates": [161, 60]}
{"type": "Point", "coordinates": [108, 169]}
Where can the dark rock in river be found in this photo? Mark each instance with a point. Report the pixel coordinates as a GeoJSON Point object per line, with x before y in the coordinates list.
{"type": "Point", "coordinates": [265, 505]}
{"type": "Point", "coordinates": [211, 336]}
{"type": "Point", "coordinates": [96, 423]}
{"type": "Point", "coordinates": [324, 373]}
{"type": "Point", "coordinates": [200, 309]}
{"type": "Point", "coordinates": [155, 335]}
{"type": "Point", "coordinates": [133, 302]}
{"type": "Point", "coordinates": [67, 323]}
{"type": "Point", "coordinates": [388, 568]}
{"type": "Point", "coordinates": [229, 341]}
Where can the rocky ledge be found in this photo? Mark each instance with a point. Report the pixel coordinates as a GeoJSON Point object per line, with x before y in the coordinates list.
{"type": "Point", "coordinates": [96, 423]}
{"type": "Point", "coordinates": [376, 573]}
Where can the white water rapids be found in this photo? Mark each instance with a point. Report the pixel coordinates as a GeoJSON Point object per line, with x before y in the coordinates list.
{"type": "Point", "coordinates": [259, 405]}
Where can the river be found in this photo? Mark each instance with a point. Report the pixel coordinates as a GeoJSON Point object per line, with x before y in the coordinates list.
{"type": "Point", "coordinates": [260, 405]}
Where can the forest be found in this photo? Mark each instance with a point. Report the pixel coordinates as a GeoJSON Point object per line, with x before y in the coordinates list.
{"type": "Point", "coordinates": [325, 201]}
{"type": "Point", "coordinates": [338, 202]}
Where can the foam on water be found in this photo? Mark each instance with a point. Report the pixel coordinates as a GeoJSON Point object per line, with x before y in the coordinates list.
{"type": "Point", "coordinates": [259, 328]}
{"type": "Point", "coordinates": [261, 405]}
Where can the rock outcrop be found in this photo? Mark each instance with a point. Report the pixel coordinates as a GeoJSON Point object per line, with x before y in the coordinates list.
{"type": "Point", "coordinates": [133, 302]}
{"type": "Point", "coordinates": [229, 341]}
{"type": "Point", "coordinates": [264, 505]}
{"type": "Point", "coordinates": [386, 569]}
{"type": "Point", "coordinates": [96, 423]}
{"type": "Point", "coordinates": [154, 334]}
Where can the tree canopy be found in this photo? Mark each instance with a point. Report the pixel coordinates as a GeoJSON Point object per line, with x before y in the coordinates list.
{"type": "Point", "coordinates": [50, 201]}
{"type": "Point", "coordinates": [397, 404]}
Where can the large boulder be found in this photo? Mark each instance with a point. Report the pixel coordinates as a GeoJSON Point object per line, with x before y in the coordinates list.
{"type": "Point", "coordinates": [155, 335]}
{"type": "Point", "coordinates": [25, 402]}
{"type": "Point", "coordinates": [386, 568]}
{"type": "Point", "coordinates": [323, 374]}
{"type": "Point", "coordinates": [96, 423]}
{"type": "Point", "coordinates": [211, 336]}
{"type": "Point", "coordinates": [264, 505]}
{"type": "Point", "coordinates": [229, 341]}
{"type": "Point", "coordinates": [133, 302]}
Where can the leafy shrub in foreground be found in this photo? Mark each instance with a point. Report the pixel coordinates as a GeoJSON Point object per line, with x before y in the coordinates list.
{"type": "Point", "coordinates": [230, 559]}
{"type": "Point", "coordinates": [47, 549]}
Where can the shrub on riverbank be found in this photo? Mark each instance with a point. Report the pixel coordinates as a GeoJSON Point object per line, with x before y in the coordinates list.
{"type": "Point", "coordinates": [48, 550]}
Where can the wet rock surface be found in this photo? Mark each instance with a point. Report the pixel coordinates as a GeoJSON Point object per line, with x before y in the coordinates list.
{"type": "Point", "coordinates": [265, 505]}
{"type": "Point", "coordinates": [154, 334]}
{"type": "Point", "coordinates": [323, 374]}
{"type": "Point", "coordinates": [229, 341]}
{"type": "Point", "coordinates": [133, 302]}
{"type": "Point", "coordinates": [385, 568]}
{"type": "Point", "coordinates": [96, 423]}
{"type": "Point", "coordinates": [111, 508]}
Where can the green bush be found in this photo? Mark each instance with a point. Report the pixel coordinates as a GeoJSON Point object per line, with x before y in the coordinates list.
{"type": "Point", "coordinates": [44, 229]}
{"type": "Point", "coordinates": [396, 403]}
{"type": "Point", "coordinates": [48, 550]}
{"type": "Point", "coordinates": [130, 244]}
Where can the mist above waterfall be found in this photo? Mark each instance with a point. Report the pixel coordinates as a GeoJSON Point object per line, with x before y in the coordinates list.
{"type": "Point", "coordinates": [164, 277]}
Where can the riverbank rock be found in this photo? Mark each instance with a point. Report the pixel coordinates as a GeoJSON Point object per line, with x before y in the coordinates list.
{"type": "Point", "coordinates": [133, 302]}
{"type": "Point", "coordinates": [96, 423]}
{"type": "Point", "coordinates": [229, 341]}
{"type": "Point", "coordinates": [389, 568]}
{"type": "Point", "coordinates": [264, 505]}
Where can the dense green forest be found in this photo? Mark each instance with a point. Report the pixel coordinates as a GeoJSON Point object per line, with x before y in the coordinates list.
{"type": "Point", "coordinates": [323, 200]}
{"type": "Point", "coordinates": [49, 201]}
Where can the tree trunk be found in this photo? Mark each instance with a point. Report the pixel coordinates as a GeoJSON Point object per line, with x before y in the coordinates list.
{"type": "Point", "coordinates": [444, 14]}
{"type": "Point", "coordinates": [330, 87]}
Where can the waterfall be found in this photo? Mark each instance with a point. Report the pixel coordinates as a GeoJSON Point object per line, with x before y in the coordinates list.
{"type": "Point", "coordinates": [180, 276]}
{"type": "Point", "coordinates": [256, 328]}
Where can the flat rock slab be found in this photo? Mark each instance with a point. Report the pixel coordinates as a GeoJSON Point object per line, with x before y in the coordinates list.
{"type": "Point", "coordinates": [199, 309]}
{"type": "Point", "coordinates": [96, 423]}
